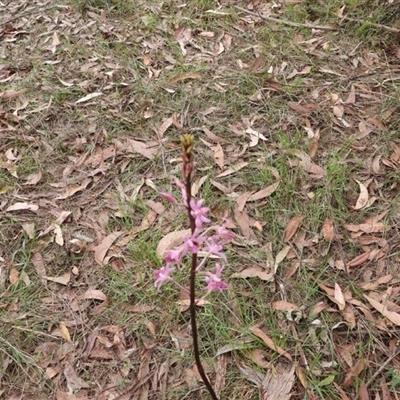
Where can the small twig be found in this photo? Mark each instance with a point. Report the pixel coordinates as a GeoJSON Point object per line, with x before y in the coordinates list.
{"type": "Point", "coordinates": [26, 14]}
{"type": "Point", "coordinates": [289, 23]}
{"type": "Point", "coordinates": [382, 367]}
{"type": "Point", "coordinates": [375, 25]}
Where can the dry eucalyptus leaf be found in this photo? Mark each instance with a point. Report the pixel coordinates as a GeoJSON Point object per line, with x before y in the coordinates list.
{"type": "Point", "coordinates": [292, 226]}
{"type": "Point", "coordinates": [170, 241]}
{"type": "Point", "coordinates": [101, 249]}
{"type": "Point", "coordinates": [269, 342]}
{"type": "Point", "coordinates": [328, 231]}
{"type": "Point", "coordinates": [23, 206]}
{"type": "Point", "coordinates": [235, 168]}
{"type": "Point", "coordinates": [62, 280]}
{"type": "Point", "coordinates": [254, 272]}
{"type": "Point", "coordinates": [363, 197]}
{"type": "Point", "coordinates": [392, 316]}
{"type": "Point", "coordinates": [65, 333]}
{"type": "Point", "coordinates": [339, 298]}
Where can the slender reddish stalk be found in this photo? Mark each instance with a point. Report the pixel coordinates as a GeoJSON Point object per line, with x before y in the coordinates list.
{"type": "Point", "coordinates": [193, 296]}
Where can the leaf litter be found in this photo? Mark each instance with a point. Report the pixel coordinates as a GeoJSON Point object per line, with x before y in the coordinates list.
{"type": "Point", "coordinates": [84, 157]}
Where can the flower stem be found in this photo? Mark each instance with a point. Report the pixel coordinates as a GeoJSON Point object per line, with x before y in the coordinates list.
{"type": "Point", "coordinates": [193, 295]}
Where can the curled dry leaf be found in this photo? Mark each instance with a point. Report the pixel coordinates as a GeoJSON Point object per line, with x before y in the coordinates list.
{"type": "Point", "coordinates": [363, 197]}
{"type": "Point", "coordinates": [33, 179]}
{"type": "Point", "coordinates": [65, 333]}
{"type": "Point", "coordinates": [328, 231]}
{"type": "Point", "coordinates": [255, 137]}
{"type": "Point", "coordinates": [163, 128]}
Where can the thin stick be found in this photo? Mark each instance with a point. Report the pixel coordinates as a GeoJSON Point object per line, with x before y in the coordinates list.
{"type": "Point", "coordinates": [289, 23]}
{"type": "Point", "coordinates": [383, 366]}
{"type": "Point", "coordinates": [27, 13]}
{"type": "Point", "coordinates": [380, 26]}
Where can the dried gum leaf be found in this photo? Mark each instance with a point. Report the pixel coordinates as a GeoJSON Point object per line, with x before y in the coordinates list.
{"type": "Point", "coordinates": [269, 342]}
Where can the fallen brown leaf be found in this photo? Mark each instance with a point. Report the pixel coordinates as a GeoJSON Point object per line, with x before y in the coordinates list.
{"type": "Point", "coordinates": [339, 298]}
{"type": "Point", "coordinates": [14, 276]}
{"type": "Point", "coordinates": [62, 280]}
{"type": "Point", "coordinates": [269, 342]}
{"type": "Point", "coordinates": [94, 294]}
{"type": "Point", "coordinates": [363, 197]}
{"type": "Point", "coordinates": [263, 193]}
{"type": "Point", "coordinates": [361, 259]}
{"type": "Point", "coordinates": [292, 226]}
{"type": "Point", "coordinates": [392, 316]}
{"type": "Point", "coordinates": [101, 249]}
{"type": "Point", "coordinates": [283, 305]}
{"type": "Point", "coordinates": [254, 272]}
{"type": "Point", "coordinates": [74, 382]}
{"type": "Point", "coordinates": [170, 241]}
{"type": "Point", "coordinates": [235, 168]}
{"type": "Point", "coordinates": [328, 231]}
{"type": "Point", "coordinates": [23, 206]}
{"type": "Point", "coordinates": [65, 333]}
{"type": "Point", "coordinates": [354, 372]}
{"type": "Point", "coordinates": [219, 155]}
{"type": "Point", "coordinates": [363, 392]}
{"type": "Point", "coordinates": [182, 77]}
{"type": "Point", "coordinates": [71, 190]}
{"type": "Point", "coordinates": [278, 383]}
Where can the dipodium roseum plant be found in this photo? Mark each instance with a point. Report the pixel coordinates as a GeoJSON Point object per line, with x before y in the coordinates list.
{"type": "Point", "coordinates": [209, 240]}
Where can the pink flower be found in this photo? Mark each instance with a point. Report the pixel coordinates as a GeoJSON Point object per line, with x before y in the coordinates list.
{"type": "Point", "coordinates": [183, 190]}
{"type": "Point", "coordinates": [213, 247]}
{"type": "Point", "coordinates": [198, 212]}
{"type": "Point", "coordinates": [162, 275]}
{"type": "Point", "coordinates": [174, 256]}
{"type": "Point", "coordinates": [223, 233]}
{"type": "Point", "coordinates": [168, 197]}
{"type": "Point", "coordinates": [214, 282]}
{"type": "Point", "coordinates": [190, 244]}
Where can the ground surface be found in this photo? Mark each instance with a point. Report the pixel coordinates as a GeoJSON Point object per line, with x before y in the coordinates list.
{"type": "Point", "coordinates": [297, 142]}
